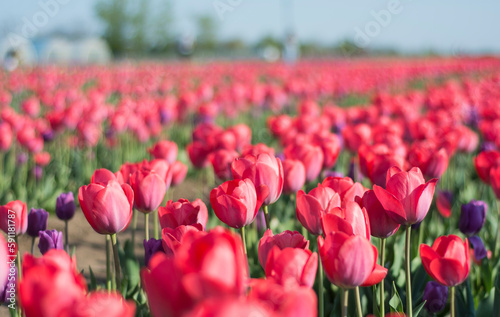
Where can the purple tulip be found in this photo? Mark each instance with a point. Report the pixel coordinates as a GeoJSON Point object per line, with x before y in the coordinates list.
{"type": "Point", "coordinates": [37, 221]}
{"type": "Point", "coordinates": [436, 296]}
{"type": "Point", "coordinates": [50, 239]}
{"type": "Point", "coordinates": [472, 217]}
{"type": "Point", "coordinates": [21, 159]}
{"type": "Point", "coordinates": [478, 247]}
{"type": "Point", "coordinates": [65, 206]}
{"type": "Point", "coordinates": [37, 171]}
{"type": "Point", "coordinates": [151, 247]}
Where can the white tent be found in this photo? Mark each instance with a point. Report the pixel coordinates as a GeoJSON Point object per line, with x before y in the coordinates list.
{"type": "Point", "coordinates": [91, 51]}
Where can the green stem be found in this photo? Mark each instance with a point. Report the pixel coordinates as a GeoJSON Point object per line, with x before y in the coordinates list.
{"type": "Point", "coordinates": [266, 215]}
{"type": "Point", "coordinates": [409, 307]}
{"type": "Point", "coordinates": [381, 286]}
{"type": "Point", "coordinates": [243, 237]}
{"type": "Point", "coordinates": [146, 226]}
{"type": "Point", "coordinates": [497, 239]}
{"type": "Point", "coordinates": [452, 305]}
{"type": "Point", "coordinates": [117, 263]}
{"type": "Point", "coordinates": [345, 301]}
{"type": "Point", "coordinates": [33, 245]}
{"type": "Point", "coordinates": [66, 236]}
{"type": "Point", "coordinates": [157, 234]}
{"type": "Point", "coordinates": [19, 260]}
{"type": "Point", "coordinates": [134, 227]}
{"type": "Point", "coordinates": [108, 264]}
{"type": "Point", "coordinates": [358, 302]}
{"type": "Point", "coordinates": [320, 285]}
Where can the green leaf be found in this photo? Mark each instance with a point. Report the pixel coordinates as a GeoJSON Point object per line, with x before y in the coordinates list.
{"type": "Point", "coordinates": [417, 309]}
{"type": "Point", "coordinates": [485, 307]}
{"type": "Point", "coordinates": [93, 281]}
{"type": "Point", "coordinates": [395, 302]}
{"type": "Point", "coordinates": [496, 303]}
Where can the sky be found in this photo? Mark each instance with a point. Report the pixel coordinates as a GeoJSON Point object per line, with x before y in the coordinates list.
{"type": "Point", "coordinates": [447, 26]}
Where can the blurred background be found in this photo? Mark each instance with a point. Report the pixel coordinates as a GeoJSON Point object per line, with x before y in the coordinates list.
{"type": "Point", "coordinates": [101, 31]}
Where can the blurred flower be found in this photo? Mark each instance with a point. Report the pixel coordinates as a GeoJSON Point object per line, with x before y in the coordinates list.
{"type": "Point", "coordinates": [444, 202]}
{"type": "Point", "coordinates": [436, 297]}
{"type": "Point", "coordinates": [478, 247]}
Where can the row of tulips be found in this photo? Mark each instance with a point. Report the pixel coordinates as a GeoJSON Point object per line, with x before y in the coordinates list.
{"type": "Point", "coordinates": [192, 268]}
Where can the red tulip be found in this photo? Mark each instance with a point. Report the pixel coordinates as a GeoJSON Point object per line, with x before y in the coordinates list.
{"type": "Point", "coordinates": [161, 167]}
{"type": "Point", "coordinates": [221, 162]}
{"type": "Point", "coordinates": [257, 149]}
{"type": "Point", "coordinates": [375, 160]}
{"type": "Point", "coordinates": [166, 150]}
{"type": "Point", "coordinates": [286, 239]}
{"type": "Point", "coordinates": [484, 162]}
{"type": "Point", "coordinates": [292, 267]}
{"type": "Point", "coordinates": [14, 215]}
{"type": "Point", "coordinates": [242, 134]}
{"type": "Point", "coordinates": [102, 176]}
{"type": "Point", "coordinates": [263, 170]}
{"type": "Point", "coordinates": [211, 265]}
{"type": "Point", "coordinates": [172, 237]}
{"type": "Point", "coordinates": [127, 169]}
{"type": "Point", "coordinates": [4, 265]}
{"type": "Point", "coordinates": [108, 208]}
{"type": "Point", "coordinates": [312, 206]}
{"type": "Point", "coordinates": [6, 136]}
{"type": "Point", "coordinates": [407, 196]}
{"type": "Point", "coordinates": [447, 261]}
{"type": "Point", "coordinates": [236, 202]}
{"type": "Point", "coordinates": [102, 303]}
{"type": "Point", "coordinates": [355, 136]}
{"type": "Point", "coordinates": [432, 160]}
{"type": "Point", "coordinates": [50, 284]}
{"type": "Point", "coordinates": [351, 219]}
{"type": "Point", "coordinates": [182, 212]}
{"type": "Point", "coordinates": [290, 302]}
{"type": "Point", "coordinates": [42, 159]}
{"type": "Point", "coordinates": [345, 187]}
{"type": "Point", "coordinates": [495, 181]}
{"type": "Point", "coordinates": [230, 307]}
{"type": "Point", "coordinates": [149, 190]}
{"type": "Point", "coordinates": [330, 145]}
{"type": "Point", "coordinates": [381, 224]}
{"type": "Point", "coordinates": [294, 174]}
{"type": "Point", "coordinates": [198, 154]}
{"type": "Point", "coordinates": [310, 155]}
{"type": "Point", "coordinates": [179, 171]}
{"type": "Point", "coordinates": [348, 261]}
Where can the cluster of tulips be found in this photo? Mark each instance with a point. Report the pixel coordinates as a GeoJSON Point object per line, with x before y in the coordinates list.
{"type": "Point", "coordinates": [336, 192]}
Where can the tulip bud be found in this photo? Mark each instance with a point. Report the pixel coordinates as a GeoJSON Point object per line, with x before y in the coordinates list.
{"type": "Point", "coordinates": [37, 221]}
{"type": "Point", "coordinates": [50, 239]}
{"type": "Point", "coordinates": [472, 217]}
{"type": "Point", "coordinates": [151, 247]}
{"type": "Point", "coordinates": [65, 206]}
{"type": "Point", "coordinates": [436, 296]}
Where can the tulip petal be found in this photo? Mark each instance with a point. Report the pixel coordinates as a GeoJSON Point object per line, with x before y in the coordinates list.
{"type": "Point", "coordinates": [391, 204]}
{"type": "Point", "coordinates": [377, 276]}
{"type": "Point", "coordinates": [449, 272]}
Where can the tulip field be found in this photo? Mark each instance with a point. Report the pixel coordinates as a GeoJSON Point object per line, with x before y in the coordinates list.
{"type": "Point", "coordinates": [335, 187]}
